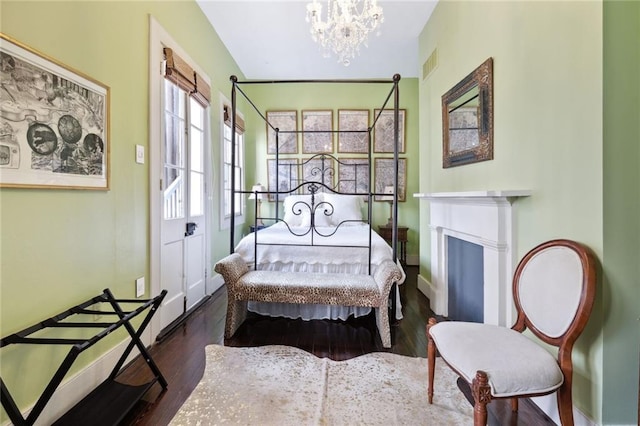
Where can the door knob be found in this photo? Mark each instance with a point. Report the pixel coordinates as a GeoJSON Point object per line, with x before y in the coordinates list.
{"type": "Point", "coordinates": [191, 228]}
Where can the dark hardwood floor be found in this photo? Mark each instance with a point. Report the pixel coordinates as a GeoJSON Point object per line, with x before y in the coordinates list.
{"type": "Point", "coordinates": [180, 355]}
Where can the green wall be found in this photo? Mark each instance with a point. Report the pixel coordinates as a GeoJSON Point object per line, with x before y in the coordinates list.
{"type": "Point", "coordinates": [621, 196]}
{"type": "Point", "coordinates": [61, 247]}
{"type": "Point", "coordinates": [330, 96]}
{"type": "Point", "coordinates": [548, 124]}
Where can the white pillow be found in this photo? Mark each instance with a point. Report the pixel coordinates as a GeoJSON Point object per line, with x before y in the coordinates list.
{"type": "Point", "coordinates": [320, 220]}
{"type": "Point", "coordinates": [304, 218]}
{"type": "Point", "coordinates": [345, 207]}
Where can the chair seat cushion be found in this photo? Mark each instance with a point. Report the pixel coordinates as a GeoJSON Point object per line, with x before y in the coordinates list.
{"type": "Point", "coordinates": [515, 365]}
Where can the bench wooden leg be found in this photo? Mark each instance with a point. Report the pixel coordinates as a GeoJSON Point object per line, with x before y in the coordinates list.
{"type": "Point", "coordinates": [382, 321]}
{"type": "Point", "coordinates": [236, 314]}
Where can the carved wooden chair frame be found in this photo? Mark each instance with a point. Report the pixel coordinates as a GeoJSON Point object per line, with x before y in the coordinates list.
{"type": "Point", "coordinates": [481, 390]}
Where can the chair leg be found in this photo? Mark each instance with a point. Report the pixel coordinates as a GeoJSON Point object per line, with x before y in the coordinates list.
{"type": "Point", "coordinates": [565, 404]}
{"type": "Point", "coordinates": [431, 357]}
{"type": "Point", "coordinates": [481, 396]}
{"type": "Point", "coordinates": [236, 314]}
{"type": "Point", "coordinates": [514, 405]}
{"type": "Point", "coordinates": [382, 321]}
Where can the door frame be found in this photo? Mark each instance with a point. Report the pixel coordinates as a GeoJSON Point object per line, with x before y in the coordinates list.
{"type": "Point", "coordinates": [158, 38]}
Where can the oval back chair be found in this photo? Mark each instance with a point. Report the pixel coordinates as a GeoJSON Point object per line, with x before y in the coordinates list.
{"type": "Point", "coordinates": [554, 288]}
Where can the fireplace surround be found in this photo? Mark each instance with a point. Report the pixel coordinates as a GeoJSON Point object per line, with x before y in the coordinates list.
{"type": "Point", "coordinates": [486, 218]}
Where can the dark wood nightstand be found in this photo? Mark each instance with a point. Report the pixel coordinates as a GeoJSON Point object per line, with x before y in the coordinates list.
{"type": "Point", "coordinates": [386, 232]}
{"type": "Point", "coordinates": [254, 228]}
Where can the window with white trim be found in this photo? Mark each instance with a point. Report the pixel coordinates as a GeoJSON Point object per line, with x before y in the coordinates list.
{"type": "Point", "coordinates": [228, 168]}
{"type": "Point", "coordinates": [186, 102]}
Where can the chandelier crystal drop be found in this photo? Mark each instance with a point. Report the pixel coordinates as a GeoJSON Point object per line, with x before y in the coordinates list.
{"type": "Point", "coordinates": [348, 25]}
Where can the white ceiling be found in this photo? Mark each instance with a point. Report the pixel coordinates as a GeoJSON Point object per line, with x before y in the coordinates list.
{"type": "Point", "coordinates": [270, 39]}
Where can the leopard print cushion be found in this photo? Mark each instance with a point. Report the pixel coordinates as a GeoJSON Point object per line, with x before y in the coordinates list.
{"type": "Point", "coordinates": [304, 287]}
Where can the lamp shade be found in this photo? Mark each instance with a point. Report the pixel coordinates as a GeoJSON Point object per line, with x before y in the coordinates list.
{"type": "Point", "coordinates": [256, 188]}
{"type": "Point", "coordinates": [388, 191]}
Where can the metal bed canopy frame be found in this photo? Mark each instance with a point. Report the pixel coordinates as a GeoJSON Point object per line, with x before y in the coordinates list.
{"type": "Point", "coordinates": [393, 93]}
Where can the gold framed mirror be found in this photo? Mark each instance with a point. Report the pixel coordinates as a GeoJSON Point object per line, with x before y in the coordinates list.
{"type": "Point", "coordinates": [467, 119]}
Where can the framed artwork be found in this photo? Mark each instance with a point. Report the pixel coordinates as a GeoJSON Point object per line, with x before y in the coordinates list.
{"type": "Point", "coordinates": [316, 132]}
{"type": "Point", "coordinates": [353, 175]}
{"type": "Point", "coordinates": [384, 175]}
{"type": "Point", "coordinates": [284, 121]}
{"type": "Point", "coordinates": [467, 119]}
{"type": "Point", "coordinates": [284, 179]}
{"type": "Point", "coordinates": [383, 137]}
{"type": "Point", "coordinates": [318, 170]}
{"type": "Point", "coordinates": [353, 132]}
{"type": "Point", "coordinates": [54, 123]}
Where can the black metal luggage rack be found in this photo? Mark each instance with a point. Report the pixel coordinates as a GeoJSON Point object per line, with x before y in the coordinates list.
{"type": "Point", "coordinates": [110, 401]}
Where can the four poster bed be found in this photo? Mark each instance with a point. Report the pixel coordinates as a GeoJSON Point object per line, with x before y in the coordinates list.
{"type": "Point", "coordinates": [318, 256]}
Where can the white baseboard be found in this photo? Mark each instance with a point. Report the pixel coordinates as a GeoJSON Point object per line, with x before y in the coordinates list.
{"type": "Point", "coordinates": [215, 283]}
{"type": "Point", "coordinates": [549, 404]}
{"type": "Point", "coordinates": [425, 287]}
{"type": "Point", "coordinates": [76, 387]}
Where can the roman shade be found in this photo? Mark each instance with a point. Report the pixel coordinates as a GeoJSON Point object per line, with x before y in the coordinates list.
{"type": "Point", "coordinates": [179, 72]}
{"type": "Point", "coordinates": [227, 119]}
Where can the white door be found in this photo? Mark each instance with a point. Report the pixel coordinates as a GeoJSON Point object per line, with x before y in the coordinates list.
{"type": "Point", "coordinates": [196, 274]}
{"type": "Point", "coordinates": [183, 246]}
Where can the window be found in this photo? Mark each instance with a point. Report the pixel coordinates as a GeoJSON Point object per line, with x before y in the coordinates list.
{"type": "Point", "coordinates": [196, 158]}
{"type": "Point", "coordinates": [186, 100]}
{"type": "Point", "coordinates": [174, 161]}
{"type": "Point", "coordinates": [227, 169]}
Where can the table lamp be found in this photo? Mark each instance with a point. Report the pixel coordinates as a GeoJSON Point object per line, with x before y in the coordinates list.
{"type": "Point", "coordinates": [388, 191]}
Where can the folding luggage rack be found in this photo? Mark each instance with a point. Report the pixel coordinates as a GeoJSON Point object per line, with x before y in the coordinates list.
{"type": "Point", "coordinates": [110, 401]}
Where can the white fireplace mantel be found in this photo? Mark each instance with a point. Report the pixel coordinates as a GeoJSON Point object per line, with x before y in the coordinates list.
{"type": "Point", "coordinates": [475, 195]}
{"type": "Point", "coordinates": [485, 218]}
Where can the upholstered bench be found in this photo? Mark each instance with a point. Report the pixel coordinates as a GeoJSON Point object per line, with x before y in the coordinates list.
{"type": "Point", "coordinates": [244, 285]}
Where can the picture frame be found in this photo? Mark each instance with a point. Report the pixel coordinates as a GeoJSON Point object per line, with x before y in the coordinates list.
{"type": "Point", "coordinates": [314, 140]}
{"type": "Point", "coordinates": [54, 125]}
{"type": "Point", "coordinates": [383, 138]}
{"type": "Point", "coordinates": [353, 176]}
{"type": "Point", "coordinates": [284, 121]}
{"type": "Point", "coordinates": [467, 119]}
{"type": "Point", "coordinates": [353, 126]}
{"type": "Point", "coordinates": [384, 176]}
{"type": "Point", "coordinates": [284, 179]}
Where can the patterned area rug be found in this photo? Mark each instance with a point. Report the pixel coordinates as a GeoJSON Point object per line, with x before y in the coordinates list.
{"type": "Point", "coordinates": [282, 385]}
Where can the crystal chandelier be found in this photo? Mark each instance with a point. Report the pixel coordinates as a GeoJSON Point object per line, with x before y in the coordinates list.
{"type": "Point", "coordinates": [348, 25]}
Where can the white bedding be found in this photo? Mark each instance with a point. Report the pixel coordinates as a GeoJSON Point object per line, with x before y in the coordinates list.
{"type": "Point", "coordinates": [317, 258]}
